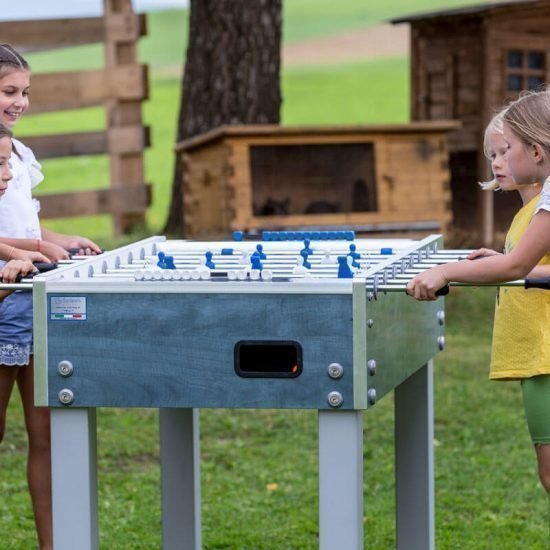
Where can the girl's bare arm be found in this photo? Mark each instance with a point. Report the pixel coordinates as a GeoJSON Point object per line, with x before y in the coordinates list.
{"type": "Point", "coordinates": [532, 246]}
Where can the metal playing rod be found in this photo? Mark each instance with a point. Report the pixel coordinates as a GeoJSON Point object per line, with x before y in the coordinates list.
{"type": "Point", "coordinates": [16, 286]}
{"type": "Point", "coordinates": [25, 283]}
{"type": "Point", "coordinates": [399, 286]}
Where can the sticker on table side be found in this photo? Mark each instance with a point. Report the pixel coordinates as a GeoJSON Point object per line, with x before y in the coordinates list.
{"type": "Point", "coordinates": [67, 308]}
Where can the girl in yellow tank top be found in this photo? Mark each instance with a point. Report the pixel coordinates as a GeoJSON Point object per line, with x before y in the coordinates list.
{"type": "Point", "coordinates": [518, 143]}
{"type": "Point", "coordinates": [521, 332]}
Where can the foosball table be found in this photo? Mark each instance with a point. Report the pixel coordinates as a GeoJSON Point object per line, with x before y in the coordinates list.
{"type": "Point", "coordinates": [297, 321]}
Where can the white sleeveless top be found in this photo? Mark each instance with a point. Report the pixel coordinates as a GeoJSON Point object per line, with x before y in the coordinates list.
{"type": "Point", "coordinates": [18, 209]}
{"type": "Point", "coordinates": [544, 200]}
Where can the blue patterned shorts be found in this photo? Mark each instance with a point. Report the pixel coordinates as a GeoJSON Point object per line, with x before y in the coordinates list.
{"type": "Point", "coordinates": [16, 329]}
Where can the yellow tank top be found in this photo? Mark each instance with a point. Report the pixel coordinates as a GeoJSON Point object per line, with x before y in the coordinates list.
{"type": "Point", "coordinates": [521, 333]}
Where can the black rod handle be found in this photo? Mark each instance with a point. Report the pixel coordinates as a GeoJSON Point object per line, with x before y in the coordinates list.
{"type": "Point", "coordinates": [75, 252]}
{"type": "Point", "coordinates": [443, 291]}
{"type": "Point", "coordinates": [542, 282]}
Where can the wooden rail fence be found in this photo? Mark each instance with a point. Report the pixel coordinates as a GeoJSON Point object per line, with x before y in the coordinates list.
{"type": "Point", "coordinates": [120, 87]}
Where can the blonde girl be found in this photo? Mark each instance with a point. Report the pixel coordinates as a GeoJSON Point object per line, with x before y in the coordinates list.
{"type": "Point", "coordinates": [526, 132]}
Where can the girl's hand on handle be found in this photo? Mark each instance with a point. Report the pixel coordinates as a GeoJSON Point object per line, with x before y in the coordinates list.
{"type": "Point", "coordinates": [425, 286]}
{"type": "Point", "coordinates": [482, 253]}
{"type": "Point", "coordinates": [14, 268]}
{"type": "Point", "coordinates": [70, 243]}
{"type": "Point", "coordinates": [53, 251]}
{"type": "Point", "coordinates": [85, 247]}
{"type": "Point", "coordinates": [19, 254]}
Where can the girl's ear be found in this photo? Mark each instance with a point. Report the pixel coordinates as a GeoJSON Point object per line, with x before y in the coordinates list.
{"type": "Point", "coordinates": [538, 153]}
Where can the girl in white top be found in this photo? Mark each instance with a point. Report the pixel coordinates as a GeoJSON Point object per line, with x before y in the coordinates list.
{"type": "Point", "coordinates": [13, 268]}
{"type": "Point", "coordinates": [18, 210]}
{"type": "Point", "coordinates": [20, 228]}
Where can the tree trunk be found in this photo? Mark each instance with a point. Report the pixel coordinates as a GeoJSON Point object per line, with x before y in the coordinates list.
{"type": "Point", "coordinates": [231, 75]}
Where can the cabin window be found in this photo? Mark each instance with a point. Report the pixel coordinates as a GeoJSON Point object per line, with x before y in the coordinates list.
{"type": "Point", "coordinates": [515, 59]}
{"type": "Point", "coordinates": [525, 70]}
{"type": "Point", "coordinates": [535, 60]}
{"type": "Point", "coordinates": [514, 83]}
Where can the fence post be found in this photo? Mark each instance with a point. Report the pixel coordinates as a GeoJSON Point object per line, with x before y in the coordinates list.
{"type": "Point", "coordinates": [126, 169]}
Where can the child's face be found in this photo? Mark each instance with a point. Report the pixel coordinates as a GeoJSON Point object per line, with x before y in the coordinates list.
{"type": "Point", "coordinates": [14, 96]}
{"type": "Point", "coordinates": [5, 172]}
{"type": "Point", "coordinates": [520, 163]}
{"type": "Point", "coordinates": [499, 164]}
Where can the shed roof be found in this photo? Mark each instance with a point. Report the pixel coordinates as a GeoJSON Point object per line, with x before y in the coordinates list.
{"type": "Point", "coordinates": [272, 130]}
{"type": "Point", "coordinates": [479, 10]}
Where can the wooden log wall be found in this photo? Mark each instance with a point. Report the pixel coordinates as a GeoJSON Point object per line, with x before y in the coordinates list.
{"type": "Point", "coordinates": [120, 86]}
{"type": "Point", "coordinates": [446, 79]}
{"type": "Point", "coordinates": [459, 70]}
{"type": "Point", "coordinates": [208, 198]}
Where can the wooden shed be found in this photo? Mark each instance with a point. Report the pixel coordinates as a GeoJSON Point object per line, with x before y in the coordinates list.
{"type": "Point", "coordinates": [372, 178]}
{"type": "Point", "coordinates": [466, 64]}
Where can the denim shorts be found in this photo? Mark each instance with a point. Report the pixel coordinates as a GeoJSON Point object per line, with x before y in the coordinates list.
{"type": "Point", "coordinates": [16, 329]}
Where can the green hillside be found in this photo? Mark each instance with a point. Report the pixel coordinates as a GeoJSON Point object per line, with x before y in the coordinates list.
{"type": "Point", "coordinates": [302, 19]}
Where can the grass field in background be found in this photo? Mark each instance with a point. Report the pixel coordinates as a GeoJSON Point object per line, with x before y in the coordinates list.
{"type": "Point", "coordinates": [259, 468]}
{"type": "Point", "coordinates": [303, 19]}
{"type": "Point", "coordinates": [164, 45]}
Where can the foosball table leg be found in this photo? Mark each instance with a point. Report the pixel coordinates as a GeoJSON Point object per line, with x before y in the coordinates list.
{"type": "Point", "coordinates": [340, 480]}
{"type": "Point", "coordinates": [414, 460]}
{"type": "Point", "coordinates": [74, 479]}
{"type": "Point", "coordinates": [180, 479]}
